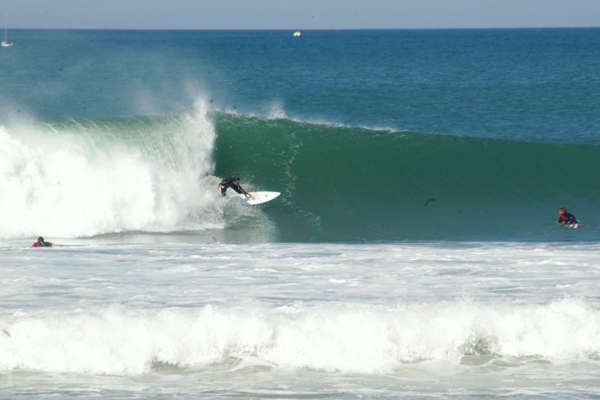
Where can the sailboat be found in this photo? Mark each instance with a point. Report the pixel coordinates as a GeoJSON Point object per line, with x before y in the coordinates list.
{"type": "Point", "coordinates": [6, 43]}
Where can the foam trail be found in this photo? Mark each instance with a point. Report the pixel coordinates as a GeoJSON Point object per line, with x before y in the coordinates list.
{"type": "Point", "coordinates": [342, 337]}
{"type": "Point", "coordinates": [84, 178]}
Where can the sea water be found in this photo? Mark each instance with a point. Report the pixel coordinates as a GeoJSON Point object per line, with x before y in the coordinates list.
{"type": "Point", "coordinates": [414, 251]}
{"type": "Point", "coordinates": [453, 320]}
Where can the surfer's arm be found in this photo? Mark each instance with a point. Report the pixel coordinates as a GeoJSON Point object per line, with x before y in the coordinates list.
{"type": "Point", "coordinates": [242, 191]}
{"type": "Point", "coordinates": [217, 189]}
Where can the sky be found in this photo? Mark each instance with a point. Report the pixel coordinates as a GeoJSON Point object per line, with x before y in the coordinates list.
{"type": "Point", "coordinates": [299, 14]}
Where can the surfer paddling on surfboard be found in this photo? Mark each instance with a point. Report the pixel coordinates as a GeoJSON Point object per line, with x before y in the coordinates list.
{"type": "Point", "coordinates": [232, 183]}
{"type": "Point", "coordinates": [568, 219]}
{"type": "Point", "coordinates": [42, 243]}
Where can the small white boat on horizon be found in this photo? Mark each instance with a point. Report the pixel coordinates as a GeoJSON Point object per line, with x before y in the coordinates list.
{"type": "Point", "coordinates": [6, 43]}
{"type": "Point", "coordinates": [297, 33]}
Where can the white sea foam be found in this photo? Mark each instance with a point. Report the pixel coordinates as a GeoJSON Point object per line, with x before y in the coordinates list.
{"type": "Point", "coordinates": [124, 309]}
{"type": "Point", "coordinates": [98, 177]}
{"type": "Point", "coordinates": [346, 338]}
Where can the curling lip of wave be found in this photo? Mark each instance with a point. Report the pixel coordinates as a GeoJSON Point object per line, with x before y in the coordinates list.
{"type": "Point", "coordinates": [88, 177]}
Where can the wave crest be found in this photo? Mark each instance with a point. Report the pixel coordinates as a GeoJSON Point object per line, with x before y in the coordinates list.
{"type": "Point", "coordinates": [84, 178]}
{"type": "Point", "coordinates": [346, 338]}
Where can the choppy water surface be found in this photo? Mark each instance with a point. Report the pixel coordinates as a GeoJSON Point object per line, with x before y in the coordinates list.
{"type": "Point", "coordinates": [377, 320]}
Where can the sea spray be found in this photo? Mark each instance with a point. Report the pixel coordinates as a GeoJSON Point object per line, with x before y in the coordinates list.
{"type": "Point", "coordinates": [84, 178]}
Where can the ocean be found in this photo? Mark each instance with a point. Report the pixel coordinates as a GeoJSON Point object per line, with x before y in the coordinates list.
{"type": "Point", "coordinates": [414, 251]}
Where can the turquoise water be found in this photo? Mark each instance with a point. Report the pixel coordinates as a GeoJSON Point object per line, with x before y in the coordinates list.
{"type": "Point", "coordinates": [535, 85]}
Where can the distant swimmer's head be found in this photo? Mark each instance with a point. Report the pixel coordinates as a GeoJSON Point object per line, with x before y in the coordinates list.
{"type": "Point", "coordinates": [562, 210]}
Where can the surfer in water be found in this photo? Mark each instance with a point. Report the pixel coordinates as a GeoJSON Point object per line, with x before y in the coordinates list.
{"type": "Point", "coordinates": [41, 243]}
{"type": "Point", "coordinates": [568, 219]}
{"type": "Point", "coordinates": [233, 183]}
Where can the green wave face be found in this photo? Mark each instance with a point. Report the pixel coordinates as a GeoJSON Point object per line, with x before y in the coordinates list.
{"type": "Point", "coordinates": [352, 184]}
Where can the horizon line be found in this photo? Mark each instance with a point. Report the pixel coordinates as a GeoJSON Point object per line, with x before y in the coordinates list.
{"type": "Point", "coordinates": [304, 29]}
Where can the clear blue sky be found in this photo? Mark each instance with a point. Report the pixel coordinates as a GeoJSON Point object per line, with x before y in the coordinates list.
{"type": "Point", "coordinates": [299, 14]}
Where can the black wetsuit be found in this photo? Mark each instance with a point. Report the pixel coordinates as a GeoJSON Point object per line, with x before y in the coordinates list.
{"type": "Point", "coordinates": [228, 183]}
{"type": "Point", "coordinates": [567, 219]}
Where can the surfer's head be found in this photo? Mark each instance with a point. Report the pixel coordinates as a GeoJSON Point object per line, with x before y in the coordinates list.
{"type": "Point", "coordinates": [236, 179]}
{"type": "Point", "coordinates": [562, 210]}
{"type": "Point", "coordinates": [40, 239]}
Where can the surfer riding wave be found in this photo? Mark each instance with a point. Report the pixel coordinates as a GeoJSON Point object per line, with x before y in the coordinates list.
{"type": "Point", "coordinates": [232, 183]}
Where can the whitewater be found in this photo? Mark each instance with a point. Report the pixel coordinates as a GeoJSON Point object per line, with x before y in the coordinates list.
{"type": "Point", "coordinates": [287, 320]}
{"type": "Point", "coordinates": [70, 180]}
{"type": "Point", "coordinates": [414, 251]}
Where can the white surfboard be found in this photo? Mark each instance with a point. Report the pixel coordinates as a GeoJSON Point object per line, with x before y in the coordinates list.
{"type": "Point", "coordinates": [260, 197]}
